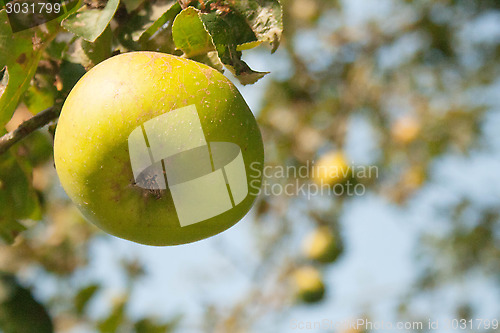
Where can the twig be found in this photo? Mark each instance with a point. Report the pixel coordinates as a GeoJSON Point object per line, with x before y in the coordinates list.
{"type": "Point", "coordinates": [29, 126]}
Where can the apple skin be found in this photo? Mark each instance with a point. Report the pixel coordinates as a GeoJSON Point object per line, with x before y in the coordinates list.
{"type": "Point", "coordinates": [332, 168]}
{"type": "Point", "coordinates": [308, 284]}
{"type": "Point", "coordinates": [115, 97]}
{"type": "Point", "coordinates": [405, 130]}
{"type": "Point", "coordinates": [322, 245]}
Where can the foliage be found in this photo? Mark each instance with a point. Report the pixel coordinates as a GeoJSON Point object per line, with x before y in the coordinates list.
{"type": "Point", "coordinates": [19, 312]}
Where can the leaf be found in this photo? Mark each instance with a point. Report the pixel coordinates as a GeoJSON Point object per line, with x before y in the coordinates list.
{"type": "Point", "coordinates": [99, 50]}
{"type": "Point", "coordinates": [19, 58]}
{"type": "Point", "coordinates": [18, 200]}
{"type": "Point", "coordinates": [264, 18]}
{"type": "Point", "coordinates": [57, 48]}
{"type": "Point", "coordinates": [38, 99]}
{"type": "Point", "coordinates": [9, 230]}
{"type": "Point", "coordinates": [211, 59]}
{"type": "Point", "coordinates": [25, 19]}
{"type": "Point", "coordinates": [70, 73]}
{"type": "Point", "coordinates": [190, 35]}
{"type": "Point", "coordinates": [131, 5]}
{"type": "Point", "coordinates": [41, 94]}
{"type": "Point", "coordinates": [83, 297]}
{"type": "Point", "coordinates": [88, 54]}
{"type": "Point", "coordinates": [19, 311]}
{"type": "Point", "coordinates": [197, 34]}
{"type": "Point", "coordinates": [70, 7]}
{"type": "Point", "coordinates": [37, 148]}
{"type": "Point", "coordinates": [150, 325]}
{"type": "Point", "coordinates": [240, 30]}
{"type": "Point", "coordinates": [245, 74]}
{"type": "Point", "coordinates": [91, 23]}
{"type": "Point", "coordinates": [248, 24]}
{"type": "Point", "coordinates": [168, 16]}
{"type": "Point", "coordinates": [248, 46]}
{"type": "Point", "coordinates": [221, 29]}
{"type": "Point", "coordinates": [114, 320]}
{"type": "Point", "coordinates": [145, 29]}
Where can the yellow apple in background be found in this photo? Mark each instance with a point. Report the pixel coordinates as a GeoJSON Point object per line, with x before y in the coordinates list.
{"type": "Point", "coordinates": [413, 177]}
{"type": "Point", "coordinates": [322, 245]}
{"type": "Point", "coordinates": [308, 284]}
{"type": "Point", "coordinates": [120, 95]}
{"type": "Point", "coordinates": [307, 10]}
{"type": "Point", "coordinates": [405, 130]}
{"type": "Point", "coordinates": [331, 168]}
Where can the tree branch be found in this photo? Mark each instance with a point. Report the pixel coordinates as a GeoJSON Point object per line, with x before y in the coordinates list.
{"type": "Point", "coordinates": [29, 126]}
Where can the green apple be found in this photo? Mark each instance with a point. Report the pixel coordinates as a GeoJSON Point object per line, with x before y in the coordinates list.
{"type": "Point", "coordinates": [309, 286]}
{"type": "Point", "coordinates": [128, 111]}
{"type": "Point", "coordinates": [332, 168]}
{"type": "Point", "coordinates": [322, 245]}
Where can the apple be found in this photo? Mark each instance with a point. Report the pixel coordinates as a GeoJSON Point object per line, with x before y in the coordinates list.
{"type": "Point", "coordinates": [309, 286]}
{"type": "Point", "coordinates": [405, 130]}
{"type": "Point", "coordinates": [322, 245]}
{"type": "Point", "coordinates": [158, 149]}
{"type": "Point", "coordinates": [307, 10]}
{"type": "Point", "coordinates": [332, 168]}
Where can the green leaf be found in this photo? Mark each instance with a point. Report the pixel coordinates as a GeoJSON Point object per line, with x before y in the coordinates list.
{"type": "Point", "coordinates": [245, 74]}
{"type": "Point", "coordinates": [10, 229]}
{"type": "Point", "coordinates": [131, 5]}
{"type": "Point", "coordinates": [211, 59]}
{"type": "Point", "coordinates": [19, 58]}
{"type": "Point", "coordinates": [41, 94]}
{"type": "Point", "coordinates": [37, 148]}
{"type": "Point", "coordinates": [57, 48]}
{"type": "Point", "coordinates": [69, 7]}
{"type": "Point", "coordinates": [70, 73]}
{"type": "Point", "coordinates": [19, 311]}
{"type": "Point", "coordinates": [150, 325]}
{"type": "Point", "coordinates": [190, 35]}
{"type": "Point", "coordinates": [248, 46]}
{"type": "Point", "coordinates": [18, 200]}
{"type": "Point", "coordinates": [25, 18]}
{"type": "Point", "coordinates": [147, 28]}
{"type": "Point", "coordinates": [83, 297]}
{"type": "Point", "coordinates": [91, 23]}
{"type": "Point", "coordinates": [166, 17]}
{"type": "Point", "coordinates": [264, 18]}
{"type": "Point", "coordinates": [241, 33]}
{"type": "Point", "coordinates": [99, 50]}
{"type": "Point", "coordinates": [38, 99]}
{"type": "Point", "coordinates": [114, 320]}
{"type": "Point", "coordinates": [221, 28]}
{"type": "Point", "coordinates": [198, 34]}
